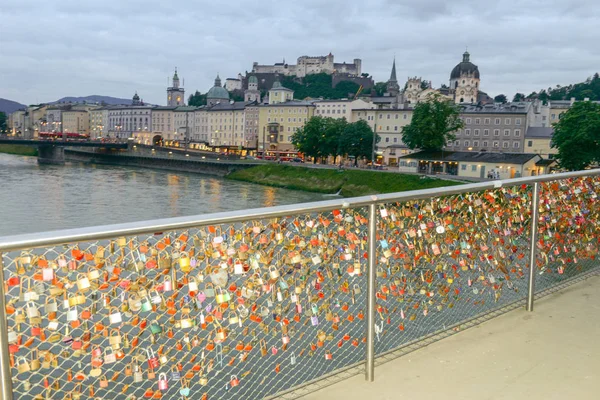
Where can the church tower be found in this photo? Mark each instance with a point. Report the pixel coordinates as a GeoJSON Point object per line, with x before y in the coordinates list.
{"type": "Point", "coordinates": [252, 93]}
{"type": "Point", "coordinates": [464, 81]}
{"type": "Point", "coordinates": [175, 94]}
{"type": "Point", "coordinates": [392, 84]}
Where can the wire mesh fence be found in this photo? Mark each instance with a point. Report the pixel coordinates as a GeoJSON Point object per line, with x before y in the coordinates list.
{"type": "Point", "coordinates": [238, 311]}
{"type": "Point", "coordinates": [254, 309]}
{"type": "Point", "coordinates": [445, 260]}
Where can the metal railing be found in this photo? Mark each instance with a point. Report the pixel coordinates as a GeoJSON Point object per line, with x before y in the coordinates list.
{"type": "Point", "coordinates": [255, 303]}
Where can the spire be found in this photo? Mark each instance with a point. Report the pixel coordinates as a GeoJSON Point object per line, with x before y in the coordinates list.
{"type": "Point", "coordinates": [393, 75]}
{"type": "Point", "coordinates": [466, 56]}
{"type": "Point", "coordinates": [218, 81]}
{"type": "Point", "coordinates": [175, 77]}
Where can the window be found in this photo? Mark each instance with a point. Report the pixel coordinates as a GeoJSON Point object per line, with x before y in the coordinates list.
{"type": "Point", "coordinates": [388, 116]}
{"type": "Point", "coordinates": [476, 143]}
{"type": "Point", "coordinates": [476, 132]}
{"type": "Point", "coordinates": [517, 132]}
{"type": "Point", "coordinates": [505, 145]}
{"type": "Point", "coordinates": [560, 116]}
{"type": "Point", "coordinates": [485, 144]}
{"type": "Point", "coordinates": [496, 144]}
{"type": "Point", "coordinates": [281, 138]}
{"type": "Point", "coordinates": [507, 121]}
{"type": "Point", "coordinates": [477, 121]}
{"type": "Point", "coordinates": [507, 132]}
{"type": "Point", "coordinates": [395, 140]}
{"type": "Point", "coordinates": [396, 116]}
{"type": "Point", "coordinates": [487, 121]}
{"type": "Point", "coordinates": [473, 168]}
{"type": "Point", "coordinates": [543, 117]}
{"type": "Point", "coordinates": [387, 139]}
{"type": "Point", "coordinates": [486, 132]}
{"type": "Point", "coordinates": [463, 167]}
{"type": "Point", "coordinates": [497, 121]}
{"type": "Point", "coordinates": [516, 145]}
{"type": "Point", "coordinates": [396, 127]}
{"type": "Point", "coordinates": [553, 116]}
{"type": "Point", "coordinates": [457, 143]}
{"type": "Point", "coordinates": [468, 120]}
{"type": "Point", "coordinates": [405, 116]}
{"type": "Point", "coordinates": [466, 143]}
{"type": "Point", "coordinates": [467, 132]}
{"type": "Point", "coordinates": [530, 143]}
{"type": "Point", "coordinates": [496, 132]}
{"type": "Point", "coordinates": [449, 144]}
{"type": "Point", "coordinates": [517, 121]}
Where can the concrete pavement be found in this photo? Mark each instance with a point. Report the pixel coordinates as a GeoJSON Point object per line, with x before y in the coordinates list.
{"type": "Point", "coordinates": [551, 353]}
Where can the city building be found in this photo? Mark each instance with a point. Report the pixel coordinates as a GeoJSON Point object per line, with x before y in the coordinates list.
{"type": "Point", "coordinates": [232, 84]}
{"type": "Point", "coordinates": [251, 125]}
{"type": "Point", "coordinates": [310, 65]}
{"type": "Point", "coordinates": [217, 93]}
{"type": "Point", "coordinates": [129, 121]}
{"type": "Point", "coordinates": [184, 123]}
{"type": "Point", "coordinates": [278, 122]}
{"type": "Point", "coordinates": [226, 124]}
{"type": "Point", "coordinates": [493, 127]}
{"type": "Point", "coordinates": [473, 165]}
{"type": "Point", "coordinates": [175, 94]}
{"type": "Point", "coordinates": [538, 140]}
{"type": "Point", "coordinates": [464, 81]}
{"type": "Point", "coordinates": [280, 94]}
{"type": "Point", "coordinates": [201, 125]}
{"type": "Point", "coordinates": [163, 125]}
{"type": "Point", "coordinates": [98, 122]}
{"type": "Point", "coordinates": [54, 118]}
{"type": "Point", "coordinates": [340, 108]}
{"type": "Point", "coordinates": [17, 123]}
{"type": "Point", "coordinates": [76, 121]}
{"type": "Point", "coordinates": [252, 93]}
{"type": "Point", "coordinates": [392, 87]}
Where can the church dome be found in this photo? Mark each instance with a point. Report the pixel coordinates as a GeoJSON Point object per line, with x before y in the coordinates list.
{"type": "Point", "coordinates": [276, 85]}
{"type": "Point", "coordinates": [465, 67]}
{"type": "Point", "coordinates": [136, 97]}
{"type": "Point", "coordinates": [253, 79]}
{"type": "Point", "coordinates": [217, 92]}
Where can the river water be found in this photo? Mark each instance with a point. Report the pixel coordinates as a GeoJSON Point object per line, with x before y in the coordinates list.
{"type": "Point", "coordinates": [37, 198]}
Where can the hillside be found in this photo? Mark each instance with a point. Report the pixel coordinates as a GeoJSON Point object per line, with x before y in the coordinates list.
{"type": "Point", "coordinates": [588, 89]}
{"type": "Point", "coordinates": [9, 106]}
{"type": "Point", "coordinates": [94, 99]}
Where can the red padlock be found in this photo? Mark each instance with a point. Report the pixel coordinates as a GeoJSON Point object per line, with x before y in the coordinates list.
{"type": "Point", "coordinates": [96, 351]}
{"type": "Point", "coordinates": [153, 362]}
{"type": "Point", "coordinates": [234, 381]}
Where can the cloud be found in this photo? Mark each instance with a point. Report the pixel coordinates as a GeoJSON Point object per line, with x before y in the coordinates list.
{"type": "Point", "coordinates": [73, 48]}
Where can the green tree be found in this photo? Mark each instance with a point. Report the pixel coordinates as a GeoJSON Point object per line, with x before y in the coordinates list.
{"type": "Point", "coordinates": [519, 97]}
{"type": "Point", "coordinates": [433, 124]}
{"type": "Point", "coordinates": [3, 127]}
{"type": "Point", "coordinates": [577, 136]}
{"type": "Point", "coordinates": [309, 139]}
{"type": "Point", "coordinates": [197, 99]}
{"type": "Point", "coordinates": [357, 140]}
{"type": "Point", "coordinates": [380, 88]}
{"type": "Point", "coordinates": [501, 98]}
{"type": "Point", "coordinates": [334, 130]}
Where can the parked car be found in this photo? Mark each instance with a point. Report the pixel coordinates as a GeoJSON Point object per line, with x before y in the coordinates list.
{"type": "Point", "coordinates": [297, 159]}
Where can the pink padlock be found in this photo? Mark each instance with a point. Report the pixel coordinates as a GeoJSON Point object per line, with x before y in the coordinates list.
{"type": "Point", "coordinates": [162, 381]}
{"type": "Point", "coordinates": [274, 350]}
{"type": "Point", "coordinates": [285, 339]}
{"type": "Point", "coordinates": [234, 381]}
{"type": "Point", "coordinates": [201, 296]}
{"type": "Point", "coordinates": [96, 351]}
{"type": "Point", "coordinates": [167, 285]}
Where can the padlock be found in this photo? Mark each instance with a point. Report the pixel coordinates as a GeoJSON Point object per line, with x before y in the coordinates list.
{"type": "Point", "coordinates": [114, 315]}
{"type": "Point", "coordinates": [32, 311]}
{"type": "Point", "coordinates": [152, 359]}
{"type": "Point", "coordinates": [192, 286]}
{"type": "Point", "coordinates": [233, 318]}
{"type": "Point", "coordinates": [72, 314]}
{"type": "Point", "coordinates": [167, 284]}
{"type": "Point", "coordinates": [138, 376]}
{"type": "Point", "coordinates": [146, 304]}
{"type": "Point", "coordinates": [115, 339]}
{"type": "Point", "coordinates": [273, 272]}
{"type": "Point", "coordinates": [83, 282]}
{"type": "Point", "coordinates": [293, 359]}
{"type": "Point", "coordinates": [134, 302]}
{"type": "Point", "coordinates": [12, 336]}
{"type": "Point", "coordinates": [234, 381]}
{"type": "Point", "coordinates": [23, 365]}
{"type": "Point", "coordinates": [47, 274]}
{"type": "Point", "coordinates": [155, 297]}
{"type": "Point", "coordinates": [155, 327]}
{"type": "Point", "coordinates": [185, 388]}
{"type": "Point", "coordinates": [175, 375]}
{"type": "Point", "coordinates": [103, 382]}
{"type": "Point", "coordinates": [203, 380]}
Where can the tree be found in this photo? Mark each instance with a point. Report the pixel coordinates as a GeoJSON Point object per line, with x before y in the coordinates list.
{"type": "Point", "coordinates": [197, 99]}
{"type": "Point", "coordinates": [309, 139]}
{"type": "Point", "coordinates": [433, 124]}
{"type": "Point", "coordinates": [519, 97]}
{"type": "Point", "coordinates": [380, 88]}
{"type": "Point", "coordinates": [357, 140]}
{"type": "Point", "coordinates": [3, 127]}
{"type": "Point", "coordinates": [501, 98]}
{"type": "Point", "coordinates": [577, 136]}
{"type": "Point", "coordinates": [424, 85]}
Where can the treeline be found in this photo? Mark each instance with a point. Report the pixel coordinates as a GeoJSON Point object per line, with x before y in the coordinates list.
{"type": "Point", "coordinates": [322, 137]}
{"type": "Point", "coordinates": [580, 91]}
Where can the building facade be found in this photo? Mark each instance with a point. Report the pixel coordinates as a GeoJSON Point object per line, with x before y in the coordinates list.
{"type": "Point", "coordinates": [98, 122]}
{"type": "Point", "coordinates": [251, 125]}
{"type": "Point", "coordinates": [340, 108]}
{"type": "Point", "coordinates": [124, 121]}
{"type": "Point", "coordinates": [252, 93]}
{"type": "Point", "coordinates": [464, 81]}
{"type": "Point", "coordinates": [280, 94]}
{"type": "Point", "coordinates": [278, 122]}
{"type": "Point", "coordinates": [493, 128]}
{"type": "Point", "coordinates": [76, 121]}
{"type": "Point", "coordinates": [226, 124]}
{"type": "Point", "coordinates": [307, 65]}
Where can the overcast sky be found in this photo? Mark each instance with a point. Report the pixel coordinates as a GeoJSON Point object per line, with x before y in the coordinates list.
{"type": "Point", "coordinates": [55, 48]}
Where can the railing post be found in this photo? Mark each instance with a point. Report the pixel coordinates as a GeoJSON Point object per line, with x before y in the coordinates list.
{"type": "Point", "coordinates": [5, 373]}
{"type": "Point", "coordinates": [371, 277]}
{"type": "Point", "coordinates": [533, 243]}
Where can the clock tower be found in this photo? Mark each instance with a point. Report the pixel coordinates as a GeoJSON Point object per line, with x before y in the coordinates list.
{"type": "Point", "coordinates": [175, 94]}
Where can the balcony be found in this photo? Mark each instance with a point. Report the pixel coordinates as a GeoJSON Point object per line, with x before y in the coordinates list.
{"type": "Point", "coordinates": [275, 302]}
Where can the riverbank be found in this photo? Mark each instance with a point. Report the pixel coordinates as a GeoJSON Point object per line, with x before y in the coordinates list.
{"type": "Point", "coordinates": [349, 183]}
{"type": "Point", "coordinates": [18, 150]}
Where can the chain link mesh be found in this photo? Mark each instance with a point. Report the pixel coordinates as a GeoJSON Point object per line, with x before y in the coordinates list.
{"type": "Point", "coordinates": [224, 311]}
{"type": "Point", "coordinates": [254, 309]}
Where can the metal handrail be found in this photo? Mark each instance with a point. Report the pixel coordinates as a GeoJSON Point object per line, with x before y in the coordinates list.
{"type": "Point", "coordinates": [59, 237]}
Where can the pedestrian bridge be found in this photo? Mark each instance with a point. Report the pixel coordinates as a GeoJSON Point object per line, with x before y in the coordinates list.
{"type": "Point", "coordinates": [52, 151]}
{"type": "Point", "coordinates": [279, 302]}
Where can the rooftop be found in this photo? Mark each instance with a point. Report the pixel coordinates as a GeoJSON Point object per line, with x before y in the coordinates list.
{"type": "Point", "coordinates": [497, 108]}
{"type": "Point", "coordinates": [471, 156]}
{"type": "Point", "coordinates": [291, 104]}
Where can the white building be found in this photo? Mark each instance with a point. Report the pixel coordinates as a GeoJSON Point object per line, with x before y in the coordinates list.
{"type": "Point", "coordinates": [311, 65]}
{"type": "Point", "coordinates": [340, 108]}
{"type": "Point", "coordinates": [98, 122]}
{"type": "Point", "coordinates": [124, 121]}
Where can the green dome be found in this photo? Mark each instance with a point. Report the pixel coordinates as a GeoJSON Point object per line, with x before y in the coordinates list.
{"type": "Point", "coordinates": [217, 92]}
{"type": "Point", "coordinates": [276, 85]}
{"type": "Point", "coordinates": [253, 79]}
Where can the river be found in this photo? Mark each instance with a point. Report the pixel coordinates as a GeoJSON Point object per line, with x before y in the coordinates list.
{"type": "Point", "coordinates": [37, 198]}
